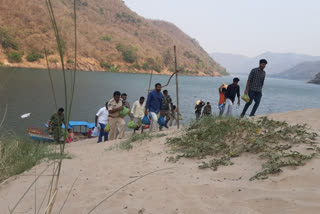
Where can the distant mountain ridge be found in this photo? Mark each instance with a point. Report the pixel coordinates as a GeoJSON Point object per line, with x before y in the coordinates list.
{"type": "Point", "coordinates": [302, 71]}
{"type": "Point", "coordinates": [111, 37]}
{"type": "Point", "coordinates": [277, 62]}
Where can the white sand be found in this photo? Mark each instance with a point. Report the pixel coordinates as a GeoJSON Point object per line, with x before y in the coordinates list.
{"type": "Point", "coordinates": [184, 189]}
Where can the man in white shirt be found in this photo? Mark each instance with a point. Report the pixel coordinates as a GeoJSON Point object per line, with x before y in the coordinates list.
{"type": "Point", "coordinates": [137, 112]}
{"type": "Point", "coordinates": [102, 118]}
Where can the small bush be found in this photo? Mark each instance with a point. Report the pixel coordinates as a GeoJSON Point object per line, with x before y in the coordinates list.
{"type": "Point", "coordinates": [19, 154]}
{"type": "Point", "coordinates": [129, 56]}
{"type": "Point", "coordinates": [14, 56]}
{"type": "Point", "coordinates": [34, 57]}
{"type": "Point", "coordinates": [109, 67]}
{"type": "Point", "coordinates": [167, 58]}
{"type": "Point", "coordinates": [53, 60]}
{"type": "Point", "coordinates": [128, 53]}
{"type": "Point", "coordinates": [101, 11]}
{"type": "Point", "coordinates": [188, 54]}
{"type": "Point", "coordinates": [106, 38]}
{"type": "Point", "coordinates": [182, 70]}
{"type": "Point", "coordinates": [70, 61]}
{"type": "Point", "coordinates": [6, 40]}
{"type": "Point", "coordinates": [127, 144]}
{"type": "Point", "coordinates": [146, 66]}
{"type": "Point", "coordinates": [125, 17]}
{"type": "Point", "coordinates": [83, 3]}
{"type": "Point", "coordinates": [227, 137]}
{"type": "Point", "coordinates": [150, 61]}
{"type": "Point", "coordinates": [157, 68]}
{"type": "Point", "coordinates": [200, 65]}
{"type": "Point", "coordinates": [120, 47]}
{"type": "Point", "coordinates": [1, 64]}
{"type": "Point", "coordinates": [137, 66]}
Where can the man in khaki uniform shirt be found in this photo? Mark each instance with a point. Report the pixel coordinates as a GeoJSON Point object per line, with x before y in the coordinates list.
{"type": "Point", "coordinates": [115, 105]}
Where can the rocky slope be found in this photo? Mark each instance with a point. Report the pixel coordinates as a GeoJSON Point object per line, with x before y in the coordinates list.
{"type": "Point", "coordinates": [316, 80]}
{"type": "Point", "coordinates": [110, 37]}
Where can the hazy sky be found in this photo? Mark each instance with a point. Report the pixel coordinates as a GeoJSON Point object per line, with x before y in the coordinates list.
{"type": "Point", "coordinates": [248, 27]}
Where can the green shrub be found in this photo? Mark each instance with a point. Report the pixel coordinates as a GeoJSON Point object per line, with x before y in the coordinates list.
{"type": "Point", "coordinates": [34, 57]}
{"type": "Point", "coordinates": [167, 58]}
{"type": "Point", "coordinates": [6, 40]}
{"type": "Point", "coordinates": [146, 66]}
{"type": "Point", "coordinates": [200, 65]}
{"type": "Point", "coordinates": [150, 61]}
{"type": "Point", "coordinates": [188, 54]}
{"type": "Point", "coordinates": [120, 47]}
{"type": "Point", "coordinates": [106, 38]}
{"type": "Point", "coordinates": [1, 64]}
{"type": "Point", "coordinates": [101, 11]}
{"type": "Point", "coordinates": [137, 66]}
{"type": "Point", "coordinates": [109, 67]}
{"type": "Point", "coordinates": [70, 61]}
{"type": "Point", "coordinates": [128, 55]}
{"type": "Point", "coordinates": [182, 70]}
{"type": "Point", "coordinates": [127, 144]}
{"type": "Point", "coordinates": [105, 65]}
{"type": "Point", "coordinates": [18, 155]}
{"type": "Point", "coordinates": [53, 60]}
{"type": "Point", "coordinates": [125, 17]}
{"type": "Point", "coordinates": [14, 56]}
{"type": "Point", "coordinates": [128, 52]}
{"type": "Point", "coordinates": [224, 138]}
{"type": "Point", "coordinates": [83, 3]}
{"type": "Point", "coordinates": [63, 46]}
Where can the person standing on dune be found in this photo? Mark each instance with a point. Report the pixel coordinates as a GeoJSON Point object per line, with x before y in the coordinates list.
{"type": "Point", "coordinates": [153, 106]}
{"type": "Point", "coordinates": [254, 87]}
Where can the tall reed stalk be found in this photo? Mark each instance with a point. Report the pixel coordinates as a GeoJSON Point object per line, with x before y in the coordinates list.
{"type": "Point", "coordinates": [53, 186]}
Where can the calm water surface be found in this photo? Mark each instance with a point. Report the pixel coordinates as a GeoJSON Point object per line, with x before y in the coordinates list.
{"type": "Point", "coordinates": [29, 90]}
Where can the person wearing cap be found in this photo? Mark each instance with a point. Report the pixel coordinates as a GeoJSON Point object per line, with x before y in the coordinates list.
{"type": "Point", "coordinates": [198, 108]}
{"type": "Point", "coordinates": [55, 123]}
{"type": "Point", "coordinates": [254, 87]}
{"type": "Point", "coordinates": [116, 122]}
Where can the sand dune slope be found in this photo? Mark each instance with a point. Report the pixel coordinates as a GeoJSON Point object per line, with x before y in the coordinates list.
{"type": "Point", "coordinates": [181, 189]}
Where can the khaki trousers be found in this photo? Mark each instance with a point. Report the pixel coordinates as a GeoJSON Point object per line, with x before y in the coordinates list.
{"type": "Point", "coordinates": [115, 125]}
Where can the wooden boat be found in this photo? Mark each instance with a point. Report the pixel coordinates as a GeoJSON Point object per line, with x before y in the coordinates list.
{"type": "Point", "coordinates": [38, 135]}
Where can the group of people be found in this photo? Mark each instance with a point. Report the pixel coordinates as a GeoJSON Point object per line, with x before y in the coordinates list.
{"type": "Point", "coordinates": [228, 94]}
{"type": "Point", "coordinates": [157, 103]}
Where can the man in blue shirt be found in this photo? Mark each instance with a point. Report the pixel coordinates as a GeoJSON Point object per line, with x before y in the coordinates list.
{"type": "Point", "coordinates": [153, 105]}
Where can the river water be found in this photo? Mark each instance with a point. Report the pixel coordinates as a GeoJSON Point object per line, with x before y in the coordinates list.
{"type": "Point", "coordinates": [26, 90]}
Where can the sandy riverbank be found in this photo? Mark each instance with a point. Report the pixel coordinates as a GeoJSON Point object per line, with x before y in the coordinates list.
{"type": "Point", "coordinates": [182, 189]}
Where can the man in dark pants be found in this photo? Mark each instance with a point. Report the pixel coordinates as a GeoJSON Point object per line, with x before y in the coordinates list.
{"type": "Point", "coordinates": [254, 87]}
{"type": "Point", "coordinates": [166, 107]}
{"type": "Point", "coordinates": [55, 123]}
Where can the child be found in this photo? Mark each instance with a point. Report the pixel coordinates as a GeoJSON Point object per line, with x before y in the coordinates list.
{"type": "Point", "coordinates": [207, 110]}
{"type": "Point", "coordinates": [70, 136]}
{"type": "Point", "coordinates": [90, 133]}
{"type": "Point", "coordinates": [222, 98]}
